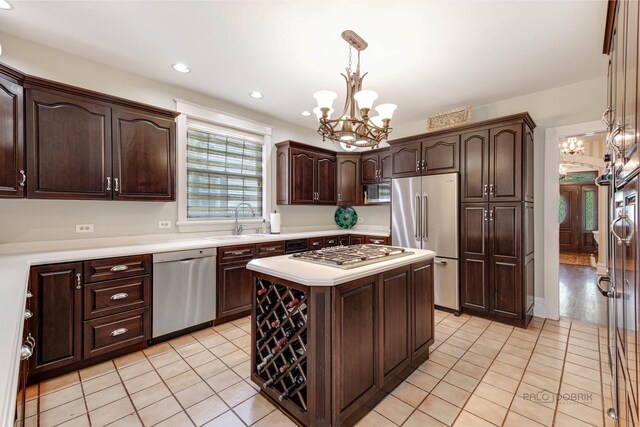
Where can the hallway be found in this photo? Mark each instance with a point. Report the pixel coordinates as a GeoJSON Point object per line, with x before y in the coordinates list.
{"type": "Point", "coordinates": [579, 296]}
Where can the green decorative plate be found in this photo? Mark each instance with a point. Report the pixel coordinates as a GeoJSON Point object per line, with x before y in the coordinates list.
{"type": "Point", "coordinates": [346, 217]}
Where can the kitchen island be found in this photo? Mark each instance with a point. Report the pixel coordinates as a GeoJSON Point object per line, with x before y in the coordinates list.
{"type": "Point", "coordinates": [329, 343]}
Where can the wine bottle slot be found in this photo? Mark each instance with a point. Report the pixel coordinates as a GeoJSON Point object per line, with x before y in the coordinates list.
{"type": "Point", "coordinates": [297, 382]}
{"type": "Point", "coordinates": [264, 362]}
{"type": "Point", "coordinates": [261, 292]}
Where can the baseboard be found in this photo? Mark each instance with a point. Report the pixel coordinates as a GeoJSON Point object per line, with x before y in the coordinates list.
{"type": "Point", "coordinates": [538, 308]}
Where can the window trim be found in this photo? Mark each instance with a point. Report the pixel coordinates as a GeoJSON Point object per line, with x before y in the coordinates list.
{"type": "Point", "coordinates": [190, 111]}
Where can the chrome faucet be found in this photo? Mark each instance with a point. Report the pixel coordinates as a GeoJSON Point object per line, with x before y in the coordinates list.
{"type": "Point", "coordinates": [238, 227]}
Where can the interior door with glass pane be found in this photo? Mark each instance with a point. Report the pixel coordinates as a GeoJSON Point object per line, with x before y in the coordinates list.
{"type": "Point", "coordinates": [589, 220]}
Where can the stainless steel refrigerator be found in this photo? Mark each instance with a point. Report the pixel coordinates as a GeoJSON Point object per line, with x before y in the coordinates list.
{"type": "Point", "coordinates": [424, 215]}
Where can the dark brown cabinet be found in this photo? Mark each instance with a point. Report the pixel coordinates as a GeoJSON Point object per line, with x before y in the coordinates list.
{"type": "Point", "coordinates": [376, 240]}
{"type": "Point", "coordinates": [143, 156]}
{"type": "Point", "coordinates": [474, 279]}
{"type": "Point", "coordinates": [422, 300]}
{"type": "Point", "coordinates": [12, 169]}
{"type": "Point", "coordinates": [376, 166]}
{"type": "Point", "coordinates": [68, 146]}
{"type": "Point", "coordinates": [234, 289]}
{"type": "Point", "coordinates": [505, 163]}
{"type": "Point", "coordinates": [85, 145]}
{"type": "Point", "coordinates": [406, 159]}
{"type": "Point", "coordinates": [348, 179]}
{"type": "Point", "coordinates": [305, 175]}
{"type": "Point", "coordinates": [56, 324]}
{"type": "Point", "coordinates": [425, 155]}
{"type": "Point", "coordinates": [474, 166]}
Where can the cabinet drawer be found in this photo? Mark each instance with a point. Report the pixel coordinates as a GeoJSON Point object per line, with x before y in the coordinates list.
{"type": "Point", "coordinates": [117, 331]}
{"type": "Point", "coordinates": [315, 243]}
{"type": "Point", "coordinates": [114, 268]}
{"type": "Point", "coordinates": [270, 249]}
{"type": "Point", "coordinates": [376, 240]}
{"type": "Point", "coordinates": [115, 296]}
{"type": "Point", "coordinates": [236, 253]}
{"type": "Point", "coordinates": [331, 241]}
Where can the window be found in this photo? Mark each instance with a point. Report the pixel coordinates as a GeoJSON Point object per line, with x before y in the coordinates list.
{"type": "Point", "coordinates": [224, 168]}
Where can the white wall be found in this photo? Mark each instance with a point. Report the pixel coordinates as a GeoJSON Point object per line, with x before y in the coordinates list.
{"type": "Point", "coordinates": [575, 103]}
{"type": "Point", "coordinates": [32, 220]}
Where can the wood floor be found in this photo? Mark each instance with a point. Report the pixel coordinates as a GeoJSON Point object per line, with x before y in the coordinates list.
{"type": "Point", "coordinates": [573, 258]}
{"type": "Point", "coordinates": [579, 297]}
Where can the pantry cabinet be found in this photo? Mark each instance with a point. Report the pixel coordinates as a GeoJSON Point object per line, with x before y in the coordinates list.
{"type": "Point", "coordinates": [12, 169]}
{"type": "Point", "coordinates": [85, 145]}
{"type": "Point", "coordinates": [306, 175]}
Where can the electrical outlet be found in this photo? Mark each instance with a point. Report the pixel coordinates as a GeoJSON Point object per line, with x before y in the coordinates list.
{"type": "Point", "coordinates": [84, 228]}
{"type": "Point", "coordinates": [360, 219]}
{"type": "Point", "coordinates": [164, 224]}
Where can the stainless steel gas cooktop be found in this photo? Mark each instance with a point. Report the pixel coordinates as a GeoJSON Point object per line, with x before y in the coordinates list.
{"type": "Point", "coordinates": [351, 256]}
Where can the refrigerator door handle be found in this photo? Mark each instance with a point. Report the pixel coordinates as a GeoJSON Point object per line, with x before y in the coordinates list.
{"type": "Point", "coordinates": [417, 216]}
{"type": "Point", "coordinates": [425, 231]}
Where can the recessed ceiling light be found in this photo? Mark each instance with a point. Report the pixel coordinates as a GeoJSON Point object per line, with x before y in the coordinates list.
{"type": "Point", "coordinates": [5, 5]}
{"type": "Point", "coordinates": [256, 94]}
{"type": "Point", "coordinates": [179, 66]}
{"type": "Point", "coordinates": [306, 113]}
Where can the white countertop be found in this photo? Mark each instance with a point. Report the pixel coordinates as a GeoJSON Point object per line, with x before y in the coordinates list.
{"type": "Point", "coordinates": [17, 258]}
{"type": "Point", "coordinates": [311, 274]}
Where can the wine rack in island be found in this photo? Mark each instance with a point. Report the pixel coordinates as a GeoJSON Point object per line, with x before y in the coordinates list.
{"type": "Point", "coordinates": [281, 341]}
{"type": "Point", "coordinates": [327, 354]}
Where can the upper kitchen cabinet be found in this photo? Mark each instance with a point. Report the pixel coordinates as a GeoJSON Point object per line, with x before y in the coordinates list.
{"type": "Point", "coordinates": [306, 175]}
{"type": "Point", "coordinates": [12, 170]}
{"type": "Point", "coordinates": [376, 166]}
{"type": "Point", "coordinates": [348, 179]}
{"type": "Point", "coordinates": [497, 161]}
{"type": "Point", "coordinates": [86, 145]}
{"type": "Point", "coordinates": [143, 156]}
{"type": "Point", "coordinates": [424, 155]}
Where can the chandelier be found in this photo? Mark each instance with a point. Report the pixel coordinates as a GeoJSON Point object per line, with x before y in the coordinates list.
{"type": "Point", "coordinates": [353, 127]}
{"type": "Point", "coordinates": [571, 147]}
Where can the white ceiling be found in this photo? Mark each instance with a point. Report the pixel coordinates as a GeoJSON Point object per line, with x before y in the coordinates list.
{"type": "Point", "coordinates": [425, 56]}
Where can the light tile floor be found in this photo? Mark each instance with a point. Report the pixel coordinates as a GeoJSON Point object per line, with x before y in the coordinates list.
{"type": "Point", "coordinates": [480, 373]}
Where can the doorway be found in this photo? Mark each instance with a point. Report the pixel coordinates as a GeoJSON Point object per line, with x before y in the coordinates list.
{"type": "Point", "coordinates": [579, 227]}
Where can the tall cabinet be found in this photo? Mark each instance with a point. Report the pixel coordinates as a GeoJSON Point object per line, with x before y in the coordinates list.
{"type": "Point", "coordinates": [496, 219]}
{"type": "Point", "coordinates": [12, 170]}
{"type": "Point", "coordinates": [620, 286]}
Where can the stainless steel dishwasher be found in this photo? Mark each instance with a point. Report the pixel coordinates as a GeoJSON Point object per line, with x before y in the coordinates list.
{"type": "Point", "coordinates": [184, 290]}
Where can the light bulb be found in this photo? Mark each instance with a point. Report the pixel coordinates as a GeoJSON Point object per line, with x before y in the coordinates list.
{"type": "Point", "coordinates": [365, 99]}
{"type": "Point", "coordinates": [385, 111]}
{"type": "Point", "coordinates": [347, 138]}
{"type": "Point", "coordinates": [325, 98]}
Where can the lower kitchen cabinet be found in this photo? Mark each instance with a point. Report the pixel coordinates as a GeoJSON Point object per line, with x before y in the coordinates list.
{"type": "Point", "coordinates": [79, 320]}
{"type": "Point", "coordinates": [234, 290]}
{"type": "Point", "coordinates": [422, 298]}
{"type": "Point", "coordinates": [356, 239]}
{"type": "Point", "coordinates": [376, 240]}
{"type": "Point", "coordinates": [56, 324]}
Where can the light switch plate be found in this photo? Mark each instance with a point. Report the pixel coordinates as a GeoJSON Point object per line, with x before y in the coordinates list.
{"type": "Point", "coordinates": [84, 228]}
{"type": "Point", "coordinates": [164, 224]}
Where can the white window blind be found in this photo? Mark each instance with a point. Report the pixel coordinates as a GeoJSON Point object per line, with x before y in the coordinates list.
{"type": "Point", "coordinates": [224, 168]}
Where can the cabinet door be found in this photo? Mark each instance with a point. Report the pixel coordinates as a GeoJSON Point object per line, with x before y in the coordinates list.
{"type": "Point", "coordinates": [629, 135]}
{"type": "Point", "coordinates": [528, 175]}
{"type": "Point", "coordinates": [68, 147]}
{"type": "Point", "coordinates": [395, 309]}
{"type": "Point", "coordinates": [405, 160]}
{"type": "Point", "coordinates": [441, 155]}
{"type": "Point", "coordinates": [422, 311]}
{"type": "Point", "coordinates": [505, 223]}
{"type": "Point", "coordinates": [355, 345]}
{"type": "Point", "coordinates": [12, 170]}
{"type": "Point", "coordinates": [385, 165]}
{"type": "Point", "coordinates": [57, 315]}
{"type": "Point", "coordinates": [348, 180]}
{"type": "Point", "coordinates": [474, 286]}
{"type": "Point", "coordinates": [234, 289]}
{"type": "Point", "coordinates": [370, 167]}
{"type": "Point", "coordinates": [474, 167]}
{"type": "Point", "coordinates": [356, 239]}
{"type": "Point", "coordinates": [325, 183]}
{"type": "Point", "coordinates": [143, 157]}
{"type": "Point", "coordinates": [505, 167]}
{"type": "Point", "coordinates": [302, 177]}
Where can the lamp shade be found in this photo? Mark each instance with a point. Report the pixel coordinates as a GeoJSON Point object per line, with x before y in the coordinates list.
{"type": "Point", "coordinates": [325, 98]}
{"type": "Point", "coordinates": [385, 111]}
{"type": "Point", "coordinates": [365, 98]}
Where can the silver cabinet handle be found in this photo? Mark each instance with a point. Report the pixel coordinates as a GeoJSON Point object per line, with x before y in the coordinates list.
{"type": "Point", "coordinates": [424, 167]}
{"type": "Point", "coordinates": [240, 252]}
{"type": "Point", "coordinates": [491, 189]}
{"type": "Point", "coordinates": [417, 217]}
{"type": "Point", "coordinates": [377, 242]}
{"type": "Point", "coordinates": [605, 292]}
{"type": "Point", "coordinates": [339, 197]}
{"type": "Point", "coordinates": [108, 183]}
{"type": "Point", "coordinates": [28, 314]}
{"type": "Point", "coordinates": [605, 117]}
{"type": "Point", "coordinates": [26, 351]}
{"type": "Point", "coordinates": [491, 215]}
{"type": "Point", "coordinates": [425, 231]}
{"type": "Point", "coordinates": [418, 166]}
{"type": "Point", "coordinates": [613, 231]}
{"type": "Point", "coordinates": [23, 179]}
{"type": "Point", "coordinates": [611, 139]}
{"type": "Point", "coordinates": [315, 244]}
{"type": "Point", "coordinates": [119, 268]}
{"type": "Point", "coordinates": [79, 281]}
{"type": "Point", "coordinates": [484, 213]}
{"type": "Point", "coordinates": [116, 184]}
{"type": "Point", "coordinates": [29, 294]}
{"type": "Point", "coordinates": [441, 262]}
{"type": "Point", "coordinates": [486, 189]}
{"type": "Point", "coordinates": [119, 331]}
{"type": "Point", "coordinates": [118, 296]}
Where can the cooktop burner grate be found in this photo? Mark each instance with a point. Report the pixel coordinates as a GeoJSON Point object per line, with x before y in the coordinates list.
{"type": "Point", "coordinates": [351, 256]}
